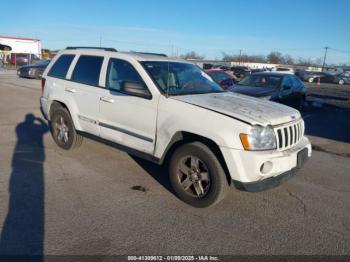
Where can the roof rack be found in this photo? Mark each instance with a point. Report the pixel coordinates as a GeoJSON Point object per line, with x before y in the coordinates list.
{"type": "Point", "coordinates": [147, 53]}
{"type": "Point", "coordinates": [91, 47]}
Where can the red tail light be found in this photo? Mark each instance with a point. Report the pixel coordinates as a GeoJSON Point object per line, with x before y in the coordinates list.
{"type": "Point", "coordinates": [43, 80]}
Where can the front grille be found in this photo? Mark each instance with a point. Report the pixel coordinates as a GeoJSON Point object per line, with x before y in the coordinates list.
{"type": "Point", "coordinates": [289, 134]}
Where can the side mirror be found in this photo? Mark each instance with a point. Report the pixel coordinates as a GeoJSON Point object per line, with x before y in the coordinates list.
{"type": "Point", "coordinates": [135, 89]}
{"type": "Point", "coordinates": [286, 87]}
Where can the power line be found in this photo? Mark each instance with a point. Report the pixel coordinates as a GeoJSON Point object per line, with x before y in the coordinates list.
{"type": "Point", "coordinates": [341, 51]}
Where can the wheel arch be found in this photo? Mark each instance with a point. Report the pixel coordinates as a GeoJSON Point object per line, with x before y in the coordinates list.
{"type": "Point", "coordinates": [56, 104]}
{"type": "Point", "coordinates": [183, 137]}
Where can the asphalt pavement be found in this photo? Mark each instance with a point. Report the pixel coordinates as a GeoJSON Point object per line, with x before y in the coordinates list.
{"type": "Point", "coordinates": [101, 201]}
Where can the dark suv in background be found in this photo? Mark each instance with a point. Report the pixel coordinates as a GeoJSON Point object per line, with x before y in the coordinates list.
{"type": "Point", "coordinates": [279, 87]}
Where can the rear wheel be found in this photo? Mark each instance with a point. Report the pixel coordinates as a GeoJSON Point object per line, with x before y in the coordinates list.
{"type": "Point", "coordinates": [197, 176]}
{"type": "Point", "coordinates": [63, 130]}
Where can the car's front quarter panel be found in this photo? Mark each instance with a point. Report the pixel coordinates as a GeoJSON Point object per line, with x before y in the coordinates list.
{"type": "Point", "coordinates": [175, 116]}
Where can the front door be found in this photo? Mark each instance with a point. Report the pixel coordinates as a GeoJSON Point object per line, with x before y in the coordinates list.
{"type": "Point", "coordinates": [125, 119]}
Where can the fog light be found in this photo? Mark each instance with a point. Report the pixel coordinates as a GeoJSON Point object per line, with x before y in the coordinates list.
{"type": "Point", "coordinates": [266, 167]}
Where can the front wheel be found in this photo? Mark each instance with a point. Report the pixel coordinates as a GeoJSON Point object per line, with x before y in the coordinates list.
{"type": "Point", "coordinates": [197, 176]}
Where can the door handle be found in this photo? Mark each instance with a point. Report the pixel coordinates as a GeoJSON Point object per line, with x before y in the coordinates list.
{"type": "Point", "coordinates": [71, 90]}
{"type": "Point", "coordinates": [107, 100]}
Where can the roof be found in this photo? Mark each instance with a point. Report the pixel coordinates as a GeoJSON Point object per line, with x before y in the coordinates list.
{"type": "Point", "coordinates": [134, 55]}
{"type": "Point", "coordinates": [19, 38]}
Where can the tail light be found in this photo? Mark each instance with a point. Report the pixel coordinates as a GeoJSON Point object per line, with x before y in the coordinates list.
{"type": "Point", "coordinates": [43, 81]}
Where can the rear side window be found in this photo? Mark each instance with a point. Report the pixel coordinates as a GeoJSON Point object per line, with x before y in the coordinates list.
{"type": "Point", "coordinates": [87, 70]}
{"type": "Point", "coordinates": [61, 66]}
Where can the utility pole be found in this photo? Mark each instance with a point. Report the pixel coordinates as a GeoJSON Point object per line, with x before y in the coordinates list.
{"type": "Point", "coordinates": [100, 41]}
{"type": "Point", "coordinates": [325, 56]}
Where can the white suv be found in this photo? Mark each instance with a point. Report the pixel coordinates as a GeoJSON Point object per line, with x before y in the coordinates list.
{"type": "Point", "coordinates": [170, 111]}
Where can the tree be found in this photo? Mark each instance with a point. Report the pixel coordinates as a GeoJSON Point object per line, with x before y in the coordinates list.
{"type": "Point", "coordinates": [243, 58]}
{"type": "Point", "coordinates": [288, 60]}
{"type": "Point", "coordinates": [192, 55]}
{"type": "Point", "coordinates": [229, 58]}
{"type": "Point", "coordinates": [275, 58]}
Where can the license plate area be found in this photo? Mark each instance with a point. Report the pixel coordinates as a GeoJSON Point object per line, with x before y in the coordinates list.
{"type": "Point", "coordinates": [302, 157]}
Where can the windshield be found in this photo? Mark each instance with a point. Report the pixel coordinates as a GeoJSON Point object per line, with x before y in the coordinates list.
{"type": "Point", "coordinates": [176, 78]}
{"type": "Point", "coordinates": [219, 76]}
{"type": "Point", "coordinates": [269, 81]}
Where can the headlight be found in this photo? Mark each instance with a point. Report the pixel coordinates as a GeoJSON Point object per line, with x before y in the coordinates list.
{"type": "Point", "coordinates": [259, 138]}
{"type": "Point", "coordinates": [31, 71]}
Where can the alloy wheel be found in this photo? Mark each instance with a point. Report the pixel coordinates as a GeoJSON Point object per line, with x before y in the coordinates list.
{"type": "Point", "coordinates": [62, 130]}
{"type": "Point", "coordinates": [194, 176]}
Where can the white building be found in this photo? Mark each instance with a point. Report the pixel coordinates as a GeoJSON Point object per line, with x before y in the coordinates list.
{"type": "Point", "coordinates": [22, 45]}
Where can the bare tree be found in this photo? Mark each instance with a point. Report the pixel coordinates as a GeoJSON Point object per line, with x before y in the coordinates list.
{"type": "Point", "coordinates": [243, 58]}
{"type": "Point", "coordinates": [288, 60]}
{"type": "Point", "coordinates": [275, 58]}
{"type": "Point", "coordinates": [192, 55]}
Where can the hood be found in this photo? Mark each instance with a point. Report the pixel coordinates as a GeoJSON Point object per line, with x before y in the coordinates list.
{"type": "Point", "coordinates": [255, 91]}
{"type": "Point", "coordinates": [33, 66]}
{"type": "Point", "coordinates": [247, 109]}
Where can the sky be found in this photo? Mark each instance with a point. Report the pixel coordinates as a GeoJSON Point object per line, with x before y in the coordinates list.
{"type": "Point", "coordinates": [301, 28]}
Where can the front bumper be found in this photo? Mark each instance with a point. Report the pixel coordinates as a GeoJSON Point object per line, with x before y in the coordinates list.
{"type": "Point", "coordinates": [246, 170]}
{"type": "Point", "coordinates": [265, 184]}
{"type": "Point", "coordinates": [26, 73]}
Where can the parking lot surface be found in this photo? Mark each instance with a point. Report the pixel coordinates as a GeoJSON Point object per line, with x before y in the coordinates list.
{"type": "Point", "coordinates": [98, 200]}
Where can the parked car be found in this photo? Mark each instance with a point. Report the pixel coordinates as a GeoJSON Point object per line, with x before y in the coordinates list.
{"type": "Point", "coordinates": [34, 70]}
{"type": "Point", "coordinates": [310, 76]}
{"type": "Point", "coordinates": [283, 88]}
{"type": "Point", "coordinates": [258, 70]}
{"type": "Point", "coordinates": [223, 78]}
{"type": "Point", "coordinates": [240, 71]}
{"type": "Point", "coordinates": [343, 78]}
{"type": "Point", "coordinates": [325, 78]}
{"type": "Point", "coordinates": [169, 111]}
{"type": "Point", "coordinates": [23, 59]}
{"type": "Point", "coordinates": [286, 70]}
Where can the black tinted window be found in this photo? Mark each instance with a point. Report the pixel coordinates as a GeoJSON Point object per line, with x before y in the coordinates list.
{"type": "Point", "coordinates": [120, 71]}
{"type": "Point", "coordinates": [87, 70]}
{"type": "Point", "coordinates": [61, 66]}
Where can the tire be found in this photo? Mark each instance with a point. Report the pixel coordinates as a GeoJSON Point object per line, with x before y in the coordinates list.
{"type": "Point", "coordinates": [63, 131]}
{"type": "Point", "coordinates": [311, 80]}
{"type": "Point", "coordinates": [341, 82]}
{"type": "Point", "coordinates": [202, 175]}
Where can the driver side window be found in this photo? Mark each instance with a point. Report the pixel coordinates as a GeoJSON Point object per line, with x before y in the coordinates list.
{"type": "Point", "coordinates": [120, 71]}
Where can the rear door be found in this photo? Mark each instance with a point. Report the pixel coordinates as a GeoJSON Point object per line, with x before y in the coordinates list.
{"type": "Point", "coordinates": [84, 87]}
{"type": "Point", "coordinates": [125, 119]}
